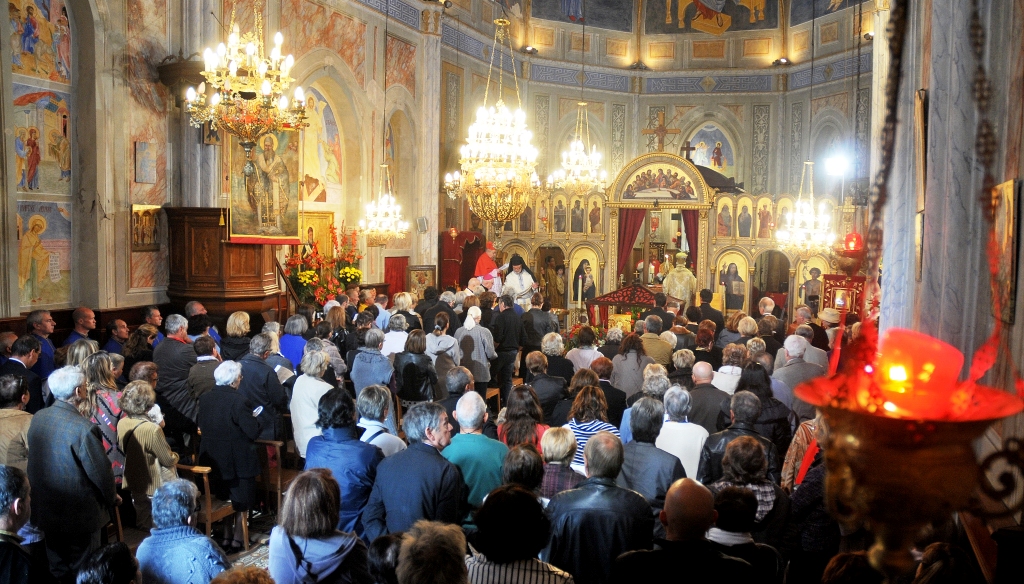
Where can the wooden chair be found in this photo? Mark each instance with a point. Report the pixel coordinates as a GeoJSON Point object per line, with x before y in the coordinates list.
{"type": "Point", "coordinates": [494, 392]}
{"type": "Point", "coordinates": [211, 509]}
{"type": "Point", "coordinates": [274, 478]}
{"type": "Point", "coordinates": [113, 529]}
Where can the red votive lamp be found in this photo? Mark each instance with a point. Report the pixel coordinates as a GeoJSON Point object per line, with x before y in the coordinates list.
{"type": "Point", "coordinates": [854, 242]}
{"type": "Point", "coordinates": [917, 374]}
{"type": "Point", "coordinates": [453, 232]}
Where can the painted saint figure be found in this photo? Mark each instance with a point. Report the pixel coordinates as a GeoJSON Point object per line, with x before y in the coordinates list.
{"type": "Point", "coordinates": [764, 223]}
{"type": "Point", "coordinates": [595, 219]}
{"type": "Point", "coordinates": [724, 222]}
{"type": "Point", "coordinates": [583, 285]}
{"type": "Point", "coordinates": [733, 283]}
{"type": "Point", "coordinates": [33, 260]}
{"type": "Point", "coordinates": [811, 290]}
{"type": "Point", "coordinates": [560, 217]}
{"type": "Point", "coordinates": [542, 214]}
{"type": "Point", "coordinates": [32, 159]}
{"type": "Point", "coordinates": [576, 220]}
{"type": "Point", "coordinates": [553, 286]}
{"type": "Point", "coordinates": [21, 155]}
{"type": "Point", "coordinates": [744, 221]}
{"type": "Point", "coordinates": [526, 220]}
{"type": "Point", "coordinates": [717, 159]}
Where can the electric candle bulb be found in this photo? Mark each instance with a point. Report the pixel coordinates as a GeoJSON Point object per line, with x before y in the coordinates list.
{"type": "Point", "coordinates": [278, 38]}
{"type": "Point", "coordinates": [266, 89]}
{"type": "Point", "coordinates": [190, 94]}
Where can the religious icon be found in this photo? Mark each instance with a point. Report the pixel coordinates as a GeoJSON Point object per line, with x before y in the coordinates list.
{"type": "Point", "coordinates": [764, 223]}
{"type": "Point", "coordinates": [716, 157]}
{"type": "Point", "coordinates": [811, 290]}
{"type": "Point", "coordinates": [595, 219]}
{"type": "Point", "coordinates": [734, 287]}
{"type": "Point", "coordinates": [526, 219]}
{"type": "Point", "coordinates": [211, 137]}
{"type": "Point", "coordinates": [144, 228]}
{"type": "Point", "coordinates": [576, 220]}
{"type": "Point", "coordinates": [553, 282]}
{"type": "Point", "coordinates": [542, 214]}
{"type": "Point", "coordinates": [584, 287]}
{"type": "Point", "coordinates": [560, 216]}
{"type": "Point", "coordinates": [724, 221]}
{"type": "Point", "coordinates": [744, 221]}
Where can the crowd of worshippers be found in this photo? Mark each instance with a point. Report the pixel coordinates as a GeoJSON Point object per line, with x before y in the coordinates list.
{"type": "Point", "coordinates": [678, 448]}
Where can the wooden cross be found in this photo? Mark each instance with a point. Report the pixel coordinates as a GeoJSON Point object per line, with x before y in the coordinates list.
{"type": "Point", "coordinates": [660, 131]}
{"type": "Point", "coordinates": [687, 149]}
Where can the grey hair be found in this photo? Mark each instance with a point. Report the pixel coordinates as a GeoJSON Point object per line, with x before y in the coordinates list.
{"type": "Point", "coordinates": [653, 369]}
{"type": "Point", "coordinates": [116, 360]}
{"type": "Point", "coordinates": [457, 379]}
{"type": "Point", "coordinates": [64, 381]}
{"type": "Point", "coordinates": [373, 402]}
{"type": "Point", "coordinates": [669, 337]}
{"type": "Point", "coordinates": [756, 345]}
{"type": "Point", "coordinates": [805, 331]}
{"type": "Point", "coordinates": [174, 323]}
{"type": "Point", "coordinates": [614, 335]}
{"type": "Point", "coordinates": [448, 296]}
{"type": "Point", "coordinates": [260, 344]}
{"type": "Point", "coordinates": [190, 308]}
{"type": "Point", "coordinates": [296, 325]}
{"type": "Point", "coordinates": [227, 373]}
{"type": "Point", "coordinates": [655, 386]}
{"type": "Point", "coordinates": [804, 312]}
{"type": "Point", "coordinates": [313, 345]}
{"type": "Point", "coordinates": [314, 363]}
{"type": "Point", "coordinates": [420, 417]}
{"type": "Point", "coordinates": [397, 323]}
{"type": "Point", "coordinates": [460, 297]}
{"type": "Point", "coordinates": [272, 327]}
{"type": "Point", "coordinates": [374, 337]}
{"type": "Point", "coordinates": [173, 503]}
{"type": "Point", "coordinates": [653, 324]}
{"type": "Point", "coordinates": [552, 345]}
{"type": "Point", "coordinates": [766, 303]}
{"type": "Point", "coordinates": [745, 406]}
{"type": "Point", "coordinates": [471, 410]}
{"type": "Point", "coordinates": [796, 346]}
{"type": "Point", "coordinates": [677, 403]}
{"type": "Point", "coordinates": [647, 419]}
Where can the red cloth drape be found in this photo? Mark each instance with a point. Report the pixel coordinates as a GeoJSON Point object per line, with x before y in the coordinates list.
{"type": "Point", "coordinates": [394, 273]}
{"type": "Point", "coordinates": [630, 221]}
{"type": "Point", "coordinates": [690, 222]}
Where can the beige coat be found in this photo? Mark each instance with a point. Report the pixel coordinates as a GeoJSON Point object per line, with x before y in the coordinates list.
{"type": "Point", "coordinates": [14, 437]}
{"type": "Point", "coordinates": [148, 459]}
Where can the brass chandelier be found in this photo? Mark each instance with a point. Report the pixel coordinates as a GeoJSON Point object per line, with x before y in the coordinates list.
{"type": "Point", "coordinates": [249, 89]}
{"type": "Point", "coordinates": [807, 231]}
{"type": "Point", "coordinates": [498, 160]}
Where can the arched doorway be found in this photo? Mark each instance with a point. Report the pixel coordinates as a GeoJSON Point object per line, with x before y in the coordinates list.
{"type": "Point", "coordinates": [771, 278]}
{"type": "Point", "coordinates": [552, 277]}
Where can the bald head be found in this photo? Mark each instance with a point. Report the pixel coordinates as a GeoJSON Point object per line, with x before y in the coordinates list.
{"type": "Point", "coordinates": [702, 372]}
{"type": "Point", "coordinates": [689, 511]}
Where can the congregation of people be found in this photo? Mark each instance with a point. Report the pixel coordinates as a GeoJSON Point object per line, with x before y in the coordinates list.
{"type": "Point", "coordinates": [449, 438]}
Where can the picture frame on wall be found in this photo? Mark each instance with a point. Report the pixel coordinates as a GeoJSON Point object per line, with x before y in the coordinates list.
{"type": "Point", "coordinates": [1006, 199]}
{"type": "Point", "coordinates": [145, 228]}
{"type": "Point", "coordinates": [212, 137]}
{"type": "Point", "coordinates": [420, 278]}
{"type": "Point", "coordinates": [315, 227]}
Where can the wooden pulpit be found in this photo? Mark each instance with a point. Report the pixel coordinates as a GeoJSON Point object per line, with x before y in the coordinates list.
{"type": "Point", "coordinates": [224, 276]}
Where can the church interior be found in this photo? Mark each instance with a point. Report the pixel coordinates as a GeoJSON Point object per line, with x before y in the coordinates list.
{"type": "Point", "coordinates": [861, 156]}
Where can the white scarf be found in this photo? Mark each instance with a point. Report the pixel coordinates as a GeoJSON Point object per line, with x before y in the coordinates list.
{"type": "Point", "coordinates": [471, 315]}
{"type": "Point", "coordinates": [729, 538]}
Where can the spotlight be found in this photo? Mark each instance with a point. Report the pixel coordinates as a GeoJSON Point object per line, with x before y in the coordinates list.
{"type": "Point", "coordinates": [780, 62]}
{"type": "Point", "coordinates": [446, 3]}
{"type": "Point", "coordinates": [869, 36]}
{"type": "Point", "coordinates": [837, 165]}
{"type": "Point", "coordinates": [530, 50]}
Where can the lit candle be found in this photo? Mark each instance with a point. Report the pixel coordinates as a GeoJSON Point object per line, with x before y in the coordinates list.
{"type": "Point", "coordinates": [917, 374]}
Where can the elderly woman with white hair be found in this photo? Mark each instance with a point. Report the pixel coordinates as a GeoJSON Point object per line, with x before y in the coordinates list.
{"type": "Point", "coordinates": [678, 435]}
{"type": "Point", "coordinates": [396, 335]}
{"type": "Point", "coordinates": [230, 429]}
{"type": "Point", "coordinates": [306, 394]}
{"type": "Point", "coordinates": [476, 345]}
{"type": "Point", "coordinates": [558, 366]}
{"type": "Point", "coordinates": [612, 341]}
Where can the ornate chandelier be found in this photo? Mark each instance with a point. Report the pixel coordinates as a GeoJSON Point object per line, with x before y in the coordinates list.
{"type": "Point", "coordinates": [581, 165]}
{"type": "Point", "coordinates": [383, 222]}
{"type": "Point", "coordinates": [498, 160]}
{"type": "Point", "coordinates": [807, 231]}
{"type": "Point", "coordinates": [249, 89]}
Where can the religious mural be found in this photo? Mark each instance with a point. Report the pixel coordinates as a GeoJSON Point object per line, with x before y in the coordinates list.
{"type": "Point", "coordinates": [42, 145]}
{"type": "Point", "coordinates": [321, 152]}
{"type": "Point", "coordinates": [585, 277]}
{"type": "Point", "coordinates": [801, 11]}
{"type": "Point", "coordinates": [44, 253]}
{"type": "Point", "coordinates": [264, 202]}
{"type": "Point", "coordinates": [710, 16]}
{"type": "Point", "coordinates": [662, 181]}
{"type": "Point", "coordinates": [607, 14]}
{"type": "Point", "coordinates": [40, 39]}
{"type": "Point", "coordinates": [713, 150]}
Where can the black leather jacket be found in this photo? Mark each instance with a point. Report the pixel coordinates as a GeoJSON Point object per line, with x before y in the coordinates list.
{"type": "Point", "coordinates": [415, 376]}
{"type": "Point", "coordinates": [608, 519]}
{"type": "Point", "coordinates": [710, 469]}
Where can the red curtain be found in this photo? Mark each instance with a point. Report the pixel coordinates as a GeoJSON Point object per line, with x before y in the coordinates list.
{"type": "Point", "coordinates": [630, 221]}
{"type": "Point", "coordinates": [394, 274]}
{"type": "Point", "coordinates": [690, 219]}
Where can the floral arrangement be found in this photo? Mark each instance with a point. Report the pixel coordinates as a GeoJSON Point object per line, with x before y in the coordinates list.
{"type": "Point", "coordinates": [569, 338]}
{"type": "Point", "coordinates": [317, 278]}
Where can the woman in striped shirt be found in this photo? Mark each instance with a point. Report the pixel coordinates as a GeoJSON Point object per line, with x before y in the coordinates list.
{"type": "Point", "coordinates": [588, 416]}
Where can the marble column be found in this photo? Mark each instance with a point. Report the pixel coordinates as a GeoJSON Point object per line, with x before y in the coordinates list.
{"type": "Point", "coordinates": [196, 166]}
{"type": "Point", "coordinates": [425, 244]}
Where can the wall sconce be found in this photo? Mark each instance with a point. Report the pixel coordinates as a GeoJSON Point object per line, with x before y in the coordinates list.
{"type": "Point", "coordinates": [780, 62]}
{"type": "Point", "coordinates": [530, 50]}
{"type": "Point", "coordinates": [869, 36]}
